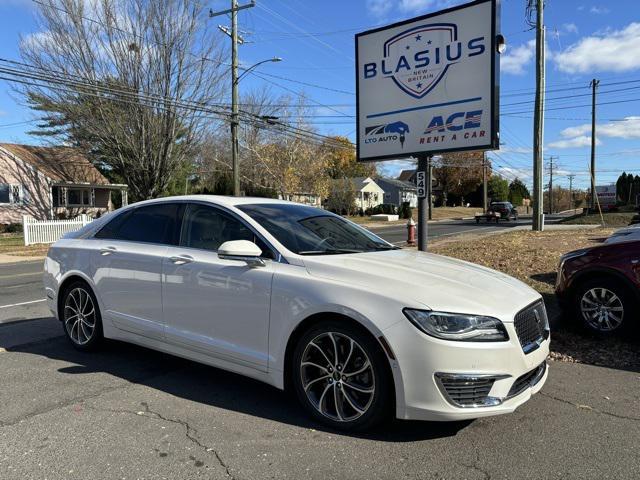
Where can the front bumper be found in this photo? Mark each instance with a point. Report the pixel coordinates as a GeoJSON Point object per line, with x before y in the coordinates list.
{"type": "Point", "coordinates": [423, 362]}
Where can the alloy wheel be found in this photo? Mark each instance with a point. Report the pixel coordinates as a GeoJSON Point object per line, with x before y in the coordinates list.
{"type": "Point", "coordinates": [602, 309]}
{"type": "Point", "coordinates": [337, 376]}
{"type": "Point", "coordinates": [79, 316]}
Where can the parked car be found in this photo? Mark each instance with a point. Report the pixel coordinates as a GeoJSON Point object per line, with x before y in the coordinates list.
{"type": "Point", "coordinates": [498, 211]}
{"type": "Point", "coordinates": [600, 286]}
{"type": "Point", "coordinates": [303, 299]}
{"type": "Point", "coordinates": [626, 234]}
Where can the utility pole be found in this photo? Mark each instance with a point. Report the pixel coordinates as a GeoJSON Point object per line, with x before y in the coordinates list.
{"type": "Point", "coordinates": [234, 88]}
{"type": "Point", "coordinates": [430, 187]}
{"type": "Point", "coordinates": [594, 85]}
{"type": "Point", "coordinates": [551, 158]}
{"type": "Point", "coordinates": [538, 120]}
{"type": "Point", "coordinates": [485, 187]}
{"type": "Point", "coordinates": [571, 177]}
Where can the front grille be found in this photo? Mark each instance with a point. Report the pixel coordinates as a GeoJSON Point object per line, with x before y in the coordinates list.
{"type": "Point", "coordinates": [532, 326]}
{"type": "Point", "coordinates": [527, 380]}
{"type": "Point", "coordinates": [468, 391]}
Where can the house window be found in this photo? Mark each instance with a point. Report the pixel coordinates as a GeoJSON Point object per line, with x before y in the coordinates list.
{"type": "Point", "coordinates": [10, 193]}
{"type": "Point", "coordinates": [78, 197]}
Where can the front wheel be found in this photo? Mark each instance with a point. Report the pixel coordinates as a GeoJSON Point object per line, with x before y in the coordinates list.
{"type": "Point", "coordinates": [341, 377]}
{"type": "Point", "coordinates": [81, 316]}
{"type": "Point", "coordinates": [604, 305]}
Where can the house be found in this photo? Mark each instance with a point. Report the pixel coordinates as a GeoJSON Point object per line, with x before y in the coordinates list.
{"type": "Point", "coordinates": [51, 182]}
{"type": "Point", "coordinates": [310, 199]}
{"type": "Point", "coordinates": [398, 192]}
{"type": "Point", "coordinates": [368, 192]}
{"type": "Point", "coordinates": [410, 176]}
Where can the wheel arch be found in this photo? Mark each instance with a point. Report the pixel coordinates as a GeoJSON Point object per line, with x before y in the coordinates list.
{"type": "Point", "coordinates": [605, 273]}
{"type": "Point", "coordinates": [67, 280]}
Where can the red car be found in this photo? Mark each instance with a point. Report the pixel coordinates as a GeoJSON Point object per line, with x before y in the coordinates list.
{"type": "Point", "coordinates": [601, 286]}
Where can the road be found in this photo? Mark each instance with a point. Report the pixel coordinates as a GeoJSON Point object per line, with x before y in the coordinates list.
{"type": "Point", "coordinates": [128, 412]}
{"type": "Point", "coordinates": [398, 233]}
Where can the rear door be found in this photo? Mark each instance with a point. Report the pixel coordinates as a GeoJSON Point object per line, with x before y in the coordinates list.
{"type": "Point", "coordinates": [132, 249]}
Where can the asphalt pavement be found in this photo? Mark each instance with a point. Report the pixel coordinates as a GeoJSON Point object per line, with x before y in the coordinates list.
{"type": "Point", "coordinates": [128, 412]}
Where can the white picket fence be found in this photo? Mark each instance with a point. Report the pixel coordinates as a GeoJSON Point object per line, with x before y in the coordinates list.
{"type": "Point", "coordinates": [49, 231]}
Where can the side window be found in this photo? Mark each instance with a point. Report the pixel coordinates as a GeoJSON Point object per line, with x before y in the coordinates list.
{"type": "Point", "coordinates": [207, 228]}
{"type": "Point", "coordinates": [150, 224]}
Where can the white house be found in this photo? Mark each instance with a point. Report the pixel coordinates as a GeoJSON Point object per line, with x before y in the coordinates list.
{"type": "Point", "coordinates": [368, 193]}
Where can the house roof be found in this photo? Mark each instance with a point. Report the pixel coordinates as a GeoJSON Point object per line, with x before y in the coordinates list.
{"type": "Point", "coordinates": [60, 164]}
{"type": "Point", "coordinates": [405, 175]}
{"type": "Point", "coordinates": [396, 183]}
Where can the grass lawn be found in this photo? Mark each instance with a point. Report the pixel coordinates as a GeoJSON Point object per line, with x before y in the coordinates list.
{"type": "Point", "coordinates": [533, 258]}
{"type": "Point", "coordinates": [613, 219]}
{"type": "Point", "coordinates": [13, 244]}
{"type": "Point", "coordinates": [439, 213]}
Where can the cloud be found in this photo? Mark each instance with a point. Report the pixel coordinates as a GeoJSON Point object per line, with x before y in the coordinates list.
{"type": "Point", "coordinates": [615, 51]}
{"type": "Point", "coordinates": [627, 128]}
{"type": "Point", "coordinates": [570, 28]}
{"type": "Point", "coordinates": [576, 142]}
{"type": "Point", "coordinates": [514, 61]}
{"type": "Point", "coordinates": [379, 8]}
{"type": "Point", "coordinates": [415, 5]}
{"type": "Point", "coordinates": [392, 168]}
{"type": "Point", "coordinates": [599, 10]}
{"type": "Point", "coordinates": [523, 174]}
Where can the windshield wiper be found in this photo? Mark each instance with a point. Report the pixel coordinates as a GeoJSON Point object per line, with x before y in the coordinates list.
{"type": "Point", "coordinates": [329, 251]}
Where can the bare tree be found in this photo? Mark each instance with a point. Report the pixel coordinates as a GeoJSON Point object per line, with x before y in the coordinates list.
{"type": "Point", "coordinates": [151, 63]}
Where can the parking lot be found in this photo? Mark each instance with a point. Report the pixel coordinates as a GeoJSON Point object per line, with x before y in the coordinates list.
{"type": "Point", "coordinates": [128, 412]}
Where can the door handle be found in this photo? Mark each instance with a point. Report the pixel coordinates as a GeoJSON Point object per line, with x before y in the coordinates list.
{"type": "Point", "coordinates": [181, 259]}
{"type": "Point", "coordinates": [107, 251]}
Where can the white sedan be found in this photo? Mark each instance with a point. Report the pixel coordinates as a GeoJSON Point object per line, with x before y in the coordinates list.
{"type": "Point", "coordinates": [303, 299]}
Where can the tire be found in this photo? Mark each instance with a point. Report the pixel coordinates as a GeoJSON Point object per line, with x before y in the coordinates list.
{"type": "Point", "coordinates": [352, 397]}
{"type": "Point", "coordinates": [604, 306]}
{"type": "Point", "coordinates": [80, 315]}
{"type": "Point", "coordinates": [477, 220]}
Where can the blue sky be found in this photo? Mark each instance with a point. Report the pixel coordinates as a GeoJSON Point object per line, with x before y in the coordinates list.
{"type": "Point", "coordinates": [585, 40]}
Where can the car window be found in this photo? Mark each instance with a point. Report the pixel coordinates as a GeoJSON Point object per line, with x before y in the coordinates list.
{"type": "Point", "coordinates": [207, 228]}
{"type": "Point", "coordinates": [150, 224]}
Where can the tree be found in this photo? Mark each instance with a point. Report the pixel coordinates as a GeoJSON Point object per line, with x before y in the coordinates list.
{"type": "Point", "coordinates": [458, 174]}
{"type": "Point", "coordinates": [342, 196]}
{"type": "Point", "coordinates": [518, 191]}
{"type": "Point", "coordinates": [341, 159]}
{"type": "Point", "coordinates": [628, 188]}
{"type": "Point", "coordinates": [132, 62]}
{"type": "Point", "coordinates": [498, 188]}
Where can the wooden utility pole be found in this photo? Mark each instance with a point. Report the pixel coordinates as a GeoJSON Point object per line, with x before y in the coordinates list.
{"type": "Point", "coordinates": [235, 154]}
{"type": "Point", "coordinates": [538, 120]}
{"type": "Point", "coordinates": [571, 177]}
{"type": "Point", "coordinates": [551, 158]}
{"type": "Point", "coordinates": [485, 186]}
{"type": "Point", "coordinates": [594, 85]}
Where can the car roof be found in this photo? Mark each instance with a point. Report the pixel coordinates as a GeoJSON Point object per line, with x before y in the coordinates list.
{"type": "Point", "coordinates": [228, 201]}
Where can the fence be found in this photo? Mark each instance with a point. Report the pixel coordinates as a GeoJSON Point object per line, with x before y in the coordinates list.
{"type": "Point", "coordinates": [49, 231]}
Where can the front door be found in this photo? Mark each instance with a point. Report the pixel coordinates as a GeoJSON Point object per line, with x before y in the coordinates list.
{"type": "Point", "coordinates": [132, 249]}
{"type": "Point", "coordinates": [211, 305]}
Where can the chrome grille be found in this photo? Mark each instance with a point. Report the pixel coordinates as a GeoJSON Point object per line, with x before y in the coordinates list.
{"type": "Point", "coordinates": [532, 326]}
{"type": "Point", "coordinates": [527, 380]}
{"type": "Point", "coordinates": [466, 391]}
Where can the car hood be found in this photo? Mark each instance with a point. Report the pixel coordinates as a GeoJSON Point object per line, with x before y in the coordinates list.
{"type": "Point", "coordinates": [437, 282]}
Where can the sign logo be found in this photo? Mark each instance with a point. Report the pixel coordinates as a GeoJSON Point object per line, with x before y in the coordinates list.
{"type": "Point", "coordinates": [454, 122]}
{"type": "Point", "coordinates": [386, 132]}
{"type": "Point", "coordinates": [418, 59]}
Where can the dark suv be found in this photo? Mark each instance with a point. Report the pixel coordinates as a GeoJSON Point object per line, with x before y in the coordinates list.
{"type": "Point", "coordinates": [505, 209]}
{"type": "Point", "coordinates": [601, 286]}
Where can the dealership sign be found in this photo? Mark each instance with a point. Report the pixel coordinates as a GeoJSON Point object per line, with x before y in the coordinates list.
{"type": "Point", "coordinates": [429, 84]}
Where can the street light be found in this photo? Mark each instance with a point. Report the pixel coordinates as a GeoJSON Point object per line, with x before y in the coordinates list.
{"type": "Point", "coordinates": [235, 79]}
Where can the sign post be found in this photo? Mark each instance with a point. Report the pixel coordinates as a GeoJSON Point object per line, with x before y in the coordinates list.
{"type": "Point", "coordinates": [427, 86]}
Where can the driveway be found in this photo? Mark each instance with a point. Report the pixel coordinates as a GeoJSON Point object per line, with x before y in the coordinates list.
{"type": "Point", "coordinates": [128, 412]}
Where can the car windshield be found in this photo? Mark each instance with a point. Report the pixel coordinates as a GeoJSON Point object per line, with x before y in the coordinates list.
{"type": "Point", "coordinates": [311, 231]}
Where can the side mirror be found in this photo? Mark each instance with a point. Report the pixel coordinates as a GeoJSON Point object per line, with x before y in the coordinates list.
{"type": "Point", "coordinates": [241, 250]}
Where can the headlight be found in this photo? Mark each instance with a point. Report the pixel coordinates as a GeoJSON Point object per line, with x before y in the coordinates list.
{"type": "Point", "coordinates": [458, 326]}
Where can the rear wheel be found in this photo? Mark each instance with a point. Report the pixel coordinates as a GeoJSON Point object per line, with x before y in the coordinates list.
{"type": "Point", "coordinates": [604, 305]}
{"type": "Point", "coordinates": [81, 316]}
{"type": "Point", "coordinates": [341, 377]}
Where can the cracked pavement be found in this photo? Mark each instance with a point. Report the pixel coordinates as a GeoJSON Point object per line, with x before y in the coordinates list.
{"type": "Point", "coordinates": [128, 412]}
